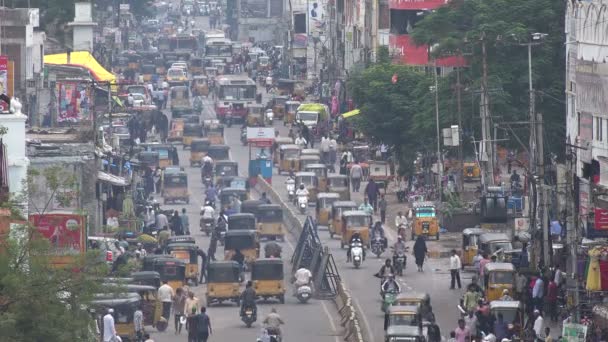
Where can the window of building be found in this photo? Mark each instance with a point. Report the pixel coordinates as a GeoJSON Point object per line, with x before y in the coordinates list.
{"type": "Point", "coordinates": [599, 129]}
{"type": "Point", "coordinates": [299, 22]}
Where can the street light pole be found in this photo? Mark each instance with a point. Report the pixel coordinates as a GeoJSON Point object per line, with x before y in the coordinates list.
{"type": "Point", "coordinates": [439, 159]}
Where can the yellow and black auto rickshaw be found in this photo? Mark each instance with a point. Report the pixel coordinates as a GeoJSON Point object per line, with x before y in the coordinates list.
{"type": "Point", "coordinates": [289, 158]}
{"type": "Point", "coordinates": [227, 194]}
{"type": "Point", "coordinates": [311, 183]}
{"type": "Point", "coordinates": [147, 70]}
{"type": "Point", "coordinates": [149, 159]}
{"type": "Point", "coordinates": [151, 304]}
{"type": "Point", "coordinates": [470, 245]}
{"type": "Point", "coordinates": [276, 146]}
{"type": "Point", "coordinates": [171, 270]}
{"type": "Point", "coordinates": [278, 106]}
{"type": "Point", "coordinates": [250, 206]}
{"type": "Point", "coordinates": [175, 188]}
{"type": "Point", "coordinates": [149, 278]}
{"type": "Point", "coordinates": [214, 130]}
{"type": "Point", "coordinates": [241, 221]}
{"type": "Point", "coordinates": [176, 130]}
{"type": "Point", "coordinates": [188, 253]}
{"type": "Point", "coordinates": [200, 85]}
{"type": "Point", "coordinates": [223, 282]}
{"type": "Point", "coordinates": [124, 307]}
{"type": "Point", "coordinates": [471, 172]}
{"type": "Point", "coordinates": [404, 315]}
{"type": "Point", "coordinates": [195, 65]}
{"type": "Point", "coordinates": [245, 241]}
{"type": "Point", "coordinates": [325, 200]}
{"type": "Point", "coordinates": [224, 182]}
{"type": "Point", "coordinates": [218, 152]}
{"type": "Point", "coordinates": [498, 276]}
{"type": "Point", "coordinates": [290, 112]}
{"type": "Point", "coordinates": [165, 153]}
{"type": "Point", "coordinates": [337, 209]}
{"type": "Point", "coordinates": [513, 314]}
{"type": "Point", "coordinates": [270, 221]}
{"type": "Point", "coordinates": [356, 221]}
{"type": "Point", "coordinates": [339, 184]}
{"type": "Point", "coordinates": [255, 115]}
{"type": "Point", "coordinates": [226, 168]}
{"type": "Point", "coordinates": [498, 244]}
{"type": "Point", "coordinates": [198, 150]}
{"type": "Point", "coordinates": [267, 277]}
{"type": "Point", "coordinates": [425, 221]}
{"type": "Point", "coordinates": [191, 131]}
{"type": "Point", "coordinates": [320, 170]}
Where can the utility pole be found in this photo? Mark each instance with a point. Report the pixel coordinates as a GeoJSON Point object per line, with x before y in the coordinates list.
{"type": "Point", "coordinates": [290, 37]}
{"type": "Point", "coordinates": [439, 159]}
{"type": "Point", "coordinates": [572, 226]}
{"type": "Point", "coordinates": [488, 174]}
{"type": "Point", "coordinates": [459, 109]}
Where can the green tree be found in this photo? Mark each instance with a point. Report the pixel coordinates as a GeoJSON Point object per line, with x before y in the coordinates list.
{"type": "Point", "coordinates": [459, 27]}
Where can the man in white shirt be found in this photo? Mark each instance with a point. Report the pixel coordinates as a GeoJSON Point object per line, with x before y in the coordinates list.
{"type": "Point", "coordinates": [109, 330]}
{"type": "Point", "coordinates": [539, 325]}
{"type": "Point", "coordinates": [400, 220]}
{"type": "Point", "coordinates": [455, 266]}
{"type": "Point", "coordinates": [333, 152]}
{"type": "Point", "coordinates": [538, 293]}
{"type": "Point", "coordinates": [165, 294]}
{"type": "Point", "coordinates": [303, 277]}
{"type": "Point", "coordinates": [300, 141]}
{"type": "Point", "coordinates": [161, 221]}
{"type": "Point", "coordinates": [325, 150]}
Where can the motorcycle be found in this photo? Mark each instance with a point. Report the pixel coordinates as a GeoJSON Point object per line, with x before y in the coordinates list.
{"type": "Point", "coordinates": [207, 225]}
{"type": "Point", "coordinates": [378, 245]}
{"type": "Point", "coordinates": [198, 105]}
{"type": "Point", "coordinates": [244, 136]}
{"type": "Point", "coordinates": [249, 316]}
{"type": "Point", "coordinates": [304, 293]}
{"type": "Point", "coordinates": [400, 260]}
{"type": "Point", "coordinates": [388, 298]}
{"type": "Point", "coordinates": [269, 116]}
{"type": "Point", "coordinates": [303, 204]}
{"type": "Point", "coordinates": [290, 184]}
{"type": "Point", "coordinates": [356, 251]}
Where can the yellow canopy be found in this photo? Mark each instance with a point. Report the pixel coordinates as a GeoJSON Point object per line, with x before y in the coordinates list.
{"type": "Point", "coordinates": [83, 59]}
{"type": "Point", "coordinates": [351, 113]}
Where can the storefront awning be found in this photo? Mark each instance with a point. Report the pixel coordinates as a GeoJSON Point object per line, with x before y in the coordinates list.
{"type": "Point", "coordinates": [82, 59]}
{"type": "Point", "coordinates": [351, 113]}
{"type": "Point", "coordinates": [111, 179]}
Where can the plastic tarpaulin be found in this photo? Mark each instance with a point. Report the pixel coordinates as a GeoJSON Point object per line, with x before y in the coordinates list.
{"type": "Point", "coordinates": [82, 59]}
{"type": "Point", "coordinates": [351, 113]}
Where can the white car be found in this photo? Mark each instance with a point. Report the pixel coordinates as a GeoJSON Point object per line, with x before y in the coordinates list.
{"type": "Point", "coordinates": [138, 100]}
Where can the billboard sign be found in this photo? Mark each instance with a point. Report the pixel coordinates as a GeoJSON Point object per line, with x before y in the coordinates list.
{"type": "Point", "coordinates": [66, 232]}
{"type": "Point", "coordinates": [73, 102]}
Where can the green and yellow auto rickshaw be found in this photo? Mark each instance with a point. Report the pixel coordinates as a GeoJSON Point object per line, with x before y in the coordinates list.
{"type": "Point", "coordinates": [245, 241]}
{"type": "Point", "coordinates": [223, 282]}
{"type": "Point", "coordinates": [320, 170]}
{"type": "Point", "coordinates": [175, 188]}
{"type": "Point", "coordinates": [325, 200]}
{"type": "Point", "coordinates": [198, 150]}
{"type": "Point", "coordinates": [270, 221]}
{"type": "Point", "coordinates": [124, 307]}
{"type": "Point", "coordinates": [188, 253]}
{"type": "Point", "coordinates": [226, 168]}
{"type": "Point", "coordinates": [191, 131]}
{"type": "Point", "coordinates": [267, 277]}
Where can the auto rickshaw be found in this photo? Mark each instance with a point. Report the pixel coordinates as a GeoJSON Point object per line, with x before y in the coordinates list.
{"type": "Point", "coordinates": [278, 106]}
{"type": "Point", "coordinates": [244, 240]}
{"type": "Point", "coordinates": [226, 195]}
{"type": "Point", "coordinates": [224, 182]}
{"type": "Point", "coordinates": [263, 63]}
{"type": "Point", "coordinates": [361, 153]}
{"type": "Point", "coordinates": [400, 333]}
{"type": "Point", "coordinates": [286, 86]}
{"type": "Point", "coordinates": [311, 182]}
{"type": "Point", "coordinates": [337, 209]}
{"type": "Point", "coordinates": [311, 152]}
{"type": "Point", "coordinates": [356, 221]}
{"type": "Point", "coordinates": [211, 72]}
{"type": "Point", "coordinates": [498, 244]}
{"type": "Point", "coordinates": [147, 70]}
{"type": "Point", "coordinates": [124, 307]}
{"type": "Point", "coordinates": [191, 131]}
{"type": "Point", "coordinates": [425, 221]}
{"type": "Point", "coordinates": [411, 298]}
{"type": "Point", "coordinates": [325, 200]}
{"type": "Point", "coordinates": [196, 65]}
{"type": "Point", "coordinates": [339, 184]}
{"type": "Point", "coordinates": [198, 150]}
{"type": "Point", "coordinates": [512, 313]}
{"type": "Point", "coordinates": [278, 142]}
{"type": "Point", "coordinates": [151, 304]}
{"type": "Point", "coordinates": [267, 277]}
{"type": "Point", "coordinates": [218, 152]}
{"type": "Point", "coordinates": [223, 282]}
{"type": "Point", "coordinates": [289, 158]}
{"type": "Point", "coordinates": [226, 168]}
{"type": "Point", "coordinates": [471, 172]}
{"type": "Point", "coordinates": [192, 118]}
{"type": "Point", "coordinates": [171, 270]}
{"type": "Point", "coordinates": [404, 315]}
{"type": "Point", "coordinates": [175, 188]}
{"type": "Point", "coordinates": [379, 171]}
{"type": "Point", "coordinates": [320, 170]}
{"type": "Point", "coordinates": [251, 206]}
{"type": "Point", "coordinates": [147, 264]}
{"type": "Point", "coordinates": [241, 221]}
{"type": "Point", "coordinates": [200, 85]}
{"type": "Point", "coordinates": [176, 132]}
{"type": "Point", "coordinates": [270, 221]}
{"type": "Point", "coordinates": [165, 153]}
{"type": "Point", "coordinates": [499, 276]}
{"type": "Point", "coordinates": [150, 159]}
{"type": "Point", "coordinates": [214, 130]}
{"type": "Point", "coordinates": [181, 239]}
{"type": "Point", "coordinates": [188, 254]}
{"type": "Point", "coordinates": [290, 112]}
{"type": "Point", "coordinates": [308, 159]}
{"type": "Point", "coordinates": [149, 278]}
{"type": "Point", "coordinates": [255, 115]}
{"type": "Point", "coordinates": [470, 245]}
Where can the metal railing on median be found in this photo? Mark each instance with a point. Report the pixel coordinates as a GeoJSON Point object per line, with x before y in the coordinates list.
{"type": "Point", "coordinates": [325, 273]}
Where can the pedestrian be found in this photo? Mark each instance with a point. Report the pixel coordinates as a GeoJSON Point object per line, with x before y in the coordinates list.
{"type": "Point", "coordinates": [138, 322]}
{"type": "Point", "coordinates": [482, 265]}
{"type": "Point", "coordinates": [366, 207]}
{"type": "Point", "coordinates": [325, 150]}
{"type": "Point", "coordinates": [372, 191]}
{"type": "Point", "coordinates": [384, 151]}
{"type": "Point", "coordinates": [179, 304]}
{"type": "Point", "coordinates": [356, 173]}
{"type": "Point", "coordinates": [161, 221]}
{"type": "Point", "coordinates": [548, 337]}
{"type": "Point", "coordinates": [420, 252]}
{"type": "Point", "coordinates": [343, 164]}
{"type": "Point", "coordinates": [176, 224]}
{"type": "Point", "coordinates": [109, 329]}
{"type": "Point", "coordinates": [163, 237]}
{"type": "Point", "coordinates": [433, 332]}
{"type": "Point", "coordinates": [551, 300]}
{"type": "Point", "coordinates": [382, 204]}
{"type": "Point", "coordinates": [455, 266]}
{"type": "Point", "coordinates": [203, 325]}
{"type": "Point", "coordinates": [470, 321]}
{"type": "Point", "coordinates": [558, 276]}
{"type": "Point", "coordinates": [185, 221]}
{"type": "Point", "coordinates": [191, 326]}
{"type": "Point", "coordinates": [538, 292]}
{"type": "Point", "coordinates": [333, 153]}
{"type": "Point", "coordinates": [470, 299]}
{"type": "Point", "coordinates": [452, 336]}
{"type": "Point", "coordinates": [462, 332]}
{"type": "Point", "coordinates": [476, 259]}
{"type": "Point", "coordinates": [539, 325]}
{"type": "Point", "coordinates": [165, 294]}
{"type": "Point", "coordinates": [203, 275]}
{"type": "Point", "coordinates": [192, 302]}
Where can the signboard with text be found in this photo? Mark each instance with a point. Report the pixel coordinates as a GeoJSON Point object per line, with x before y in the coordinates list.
{"type": "Point", "coordinates": [574, 332]}
{"type": "Point", "coordinates": [600, 219]}
{"type": "Point", "coordinates": [66, 232]}
{"type": "Point", "coordinates": [260, 136]}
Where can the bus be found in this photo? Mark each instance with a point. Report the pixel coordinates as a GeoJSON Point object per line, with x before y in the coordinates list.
{"type": "Point", "coordinates": [218, 48]}
{"type": "Point", "coordinates": [184, 45]}
{"type": "Point", "coordinates": [236, 92]}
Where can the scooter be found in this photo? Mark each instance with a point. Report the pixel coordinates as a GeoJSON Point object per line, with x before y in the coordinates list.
{"type": "Point", "coordinates": [269, 116]}
{"type": "Point", "coordinates": [207, 225]}
{"type": "Point", "coordinates": [356, 252]}
{"type": "Point", "coordinates": [400, 261]}
{"type": "Point", "coordinates": [378, 245]}
{"type": "Point", "coordinates": [290, 184]}
{"type": "Point", "coordinates": [388, 298]}
{"type": "Point", "coordinates": [303, 204]}
{"type": "Point", "coordinates": [304, 293]}
{"type": "Point", "coordinates": [249, 316]}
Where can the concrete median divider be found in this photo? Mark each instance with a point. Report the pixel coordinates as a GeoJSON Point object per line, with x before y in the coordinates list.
{"type": "Point", "coordinates": [349, 316]}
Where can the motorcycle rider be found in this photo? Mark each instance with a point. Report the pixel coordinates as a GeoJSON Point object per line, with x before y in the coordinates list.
{"type": "Point", "coordinates": [273, 322]}
{"type": "Point", "coordinates": [377, 229]}
{"type": "Point", "coordinates": [290, 182]}
{"type": "Point", "coordinates": [248, 299]}
{"type": "Point", "coordinates": [356, 237]}
{"type": "Point", "coordinates": [207, 166]}
{"type": "Point", "coordinates": [398, 249]}
{"type": "Point", "coordinates": [211, 194]}
{"type": "Point", "coordinates": [391, 285]}
{"type": "Point", "coordinates": [514, 178]}
{"type": "Point", "coordinates": [302, 277]}
{"type": "Point", "coordinates": [207, 212]}
{"type": "Point", "coordinates": [401, 223]}
{"type": "Point", "coordinates": [302, 191]}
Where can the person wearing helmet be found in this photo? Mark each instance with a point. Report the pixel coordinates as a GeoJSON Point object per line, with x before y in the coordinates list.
{"type": "Point", "coordinates": [378, 230]}
{"type": "Point", "coordinates": [356, 237]}
{"type": "Point", "coordinates": [302, 191]}
{"type": "Point", "coordinates": [248, 298]}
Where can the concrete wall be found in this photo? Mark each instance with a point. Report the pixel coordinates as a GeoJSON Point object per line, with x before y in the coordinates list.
{"type": "Point", "coordinates": [14, 141]}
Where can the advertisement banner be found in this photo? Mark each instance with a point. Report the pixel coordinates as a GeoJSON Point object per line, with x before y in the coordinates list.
{"type": "Point", "coordinates": [600, 221]}
{"type": "Point", "coordinates": [583, 198]}
{"type": "Point", "coordinates": [4, 81]}
{"type": "Point", "coordinates": [300, 40]}
{"type": "Point", "coordinates": [574, 332]}
{"type": "Point", "coordinates": [73, 101]}
{"type": "Point", "coordinates": [65, 232]}
{"type": "Point", "coordinates": [316, 17]}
